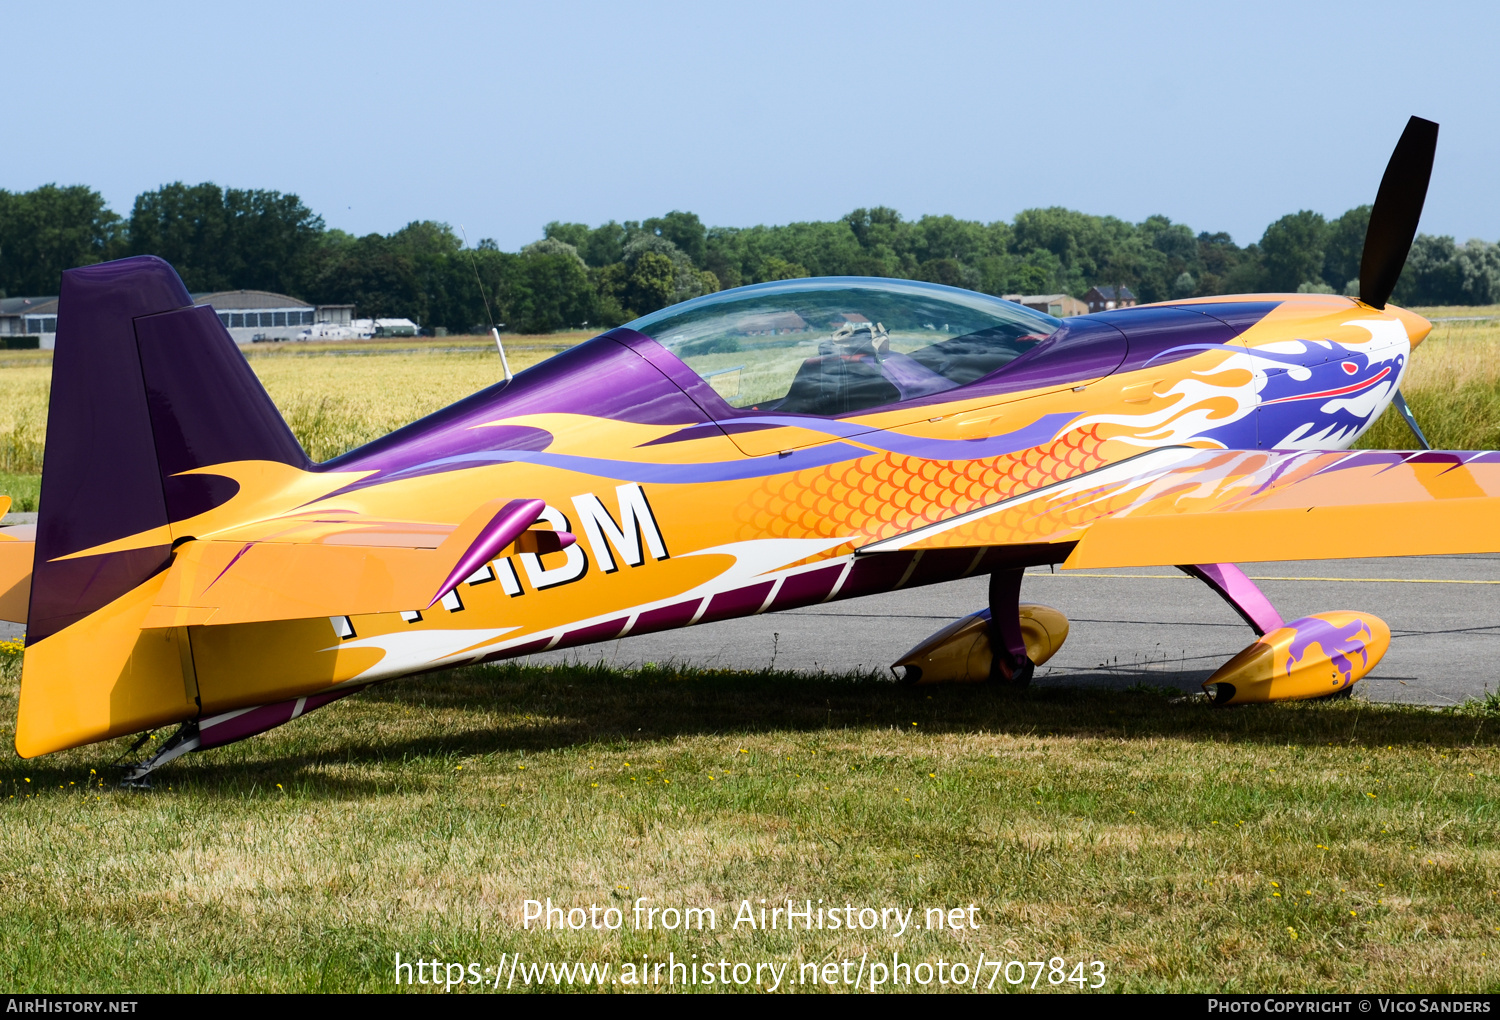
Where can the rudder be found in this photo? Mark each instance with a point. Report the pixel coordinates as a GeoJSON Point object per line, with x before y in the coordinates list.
{"type": "Point", "coordinates": [145, 386]}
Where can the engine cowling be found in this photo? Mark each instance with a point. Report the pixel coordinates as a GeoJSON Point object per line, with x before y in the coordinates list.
{"type": "Point", "coordinates": [961, 653]}
{"type": "Point", "coordinates": [1314, 657]}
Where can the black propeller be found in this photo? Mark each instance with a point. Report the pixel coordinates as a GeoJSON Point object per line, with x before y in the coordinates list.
{"type": "Point", "coordinates": [1398, 208]}
{"type": "Point", "coordinates": [1393, 227]}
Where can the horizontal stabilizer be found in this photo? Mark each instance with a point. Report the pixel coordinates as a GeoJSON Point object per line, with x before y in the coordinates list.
{"type": "Point", "coordinates": [351, 571]}
{"type": "Point", "coordinates": [17, 548]}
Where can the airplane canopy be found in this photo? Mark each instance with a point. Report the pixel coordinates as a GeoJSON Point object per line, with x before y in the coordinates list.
{"type": "Point", "coordinates": [834, 345]}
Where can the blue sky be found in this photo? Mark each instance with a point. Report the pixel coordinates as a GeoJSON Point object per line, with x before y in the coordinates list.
{"type": "Point", "coordinates": [500, 117]}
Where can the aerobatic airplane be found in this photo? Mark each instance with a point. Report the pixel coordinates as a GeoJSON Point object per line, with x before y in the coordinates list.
{"type": "Point", "coordinates": [749, 451]}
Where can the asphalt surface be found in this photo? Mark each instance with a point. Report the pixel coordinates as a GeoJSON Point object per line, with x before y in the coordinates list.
{"type": "Point", "coordinates": [1154, 626]}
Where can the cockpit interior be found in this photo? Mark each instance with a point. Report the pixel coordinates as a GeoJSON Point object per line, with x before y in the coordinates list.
{"type": "Point", "coordinates": [835, 346]}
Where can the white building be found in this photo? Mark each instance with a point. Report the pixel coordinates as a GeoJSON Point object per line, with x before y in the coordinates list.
{"type": "Point", "coordinates": [249, 315]}
{"type": "Point", "coordinates": [28, 322]}
{"type": "Point", "coordinates": [252, 316]}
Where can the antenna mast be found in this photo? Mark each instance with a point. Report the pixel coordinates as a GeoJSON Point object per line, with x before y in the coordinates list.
{"type": "Point", "coordinates": [504, 365]}
{"type": "Point", "coordinates": [494, 326]}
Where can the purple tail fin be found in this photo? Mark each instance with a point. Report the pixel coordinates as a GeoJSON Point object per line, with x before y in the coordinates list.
{"type": "Point", "coordinates": [144, 386]}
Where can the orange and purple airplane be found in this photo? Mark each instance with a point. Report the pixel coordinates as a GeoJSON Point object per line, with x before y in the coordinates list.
{"type": "Point", "coordinates": [754, 450]}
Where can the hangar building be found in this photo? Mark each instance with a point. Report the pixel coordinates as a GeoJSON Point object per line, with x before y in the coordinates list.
{"type": "Point", "coordinates": [249, 315]}
{"type": "Point", "coordinates": [252, 315]}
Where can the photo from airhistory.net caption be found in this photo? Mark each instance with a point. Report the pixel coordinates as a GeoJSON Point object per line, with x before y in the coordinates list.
{"type": "Point", "coordinates": [872, 971]}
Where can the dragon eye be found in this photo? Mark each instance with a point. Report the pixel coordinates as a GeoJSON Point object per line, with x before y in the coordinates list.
{"type": "Point", "coordinates": [1350, 367]}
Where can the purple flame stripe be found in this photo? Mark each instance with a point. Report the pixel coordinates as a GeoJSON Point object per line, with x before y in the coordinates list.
{"type": "Point", "coordinates": [1038, 432]}
{"type": "Point", "coordinates": [247, 547]}
{"type": "Point", "coordinates": [635, 471]}
{"type": "Point", "coordinates": [1178, 350]}
{"type": "Point", "coordinates": [606, 631]}
{"type": "Point", "coordinates": [1367, 458]}
{"type": "Point", "coordinates": [1043, 430]}
{"type": "Point", "coordinates": [502, 529]}
{"type": "Point", "coordinates": [232, 726]}
{"type": "Point", "coordinates": [1338, 643]}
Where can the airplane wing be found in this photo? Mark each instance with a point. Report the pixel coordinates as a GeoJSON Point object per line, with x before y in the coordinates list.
{"type": "Point", "coordinates": [1180, 505]}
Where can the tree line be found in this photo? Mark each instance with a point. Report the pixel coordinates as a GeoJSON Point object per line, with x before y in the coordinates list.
{"type": "Point", "coordinates": [578, 275]}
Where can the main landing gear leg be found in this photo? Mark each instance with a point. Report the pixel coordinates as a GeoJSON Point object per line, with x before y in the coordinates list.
{"type": "Point", "coordinates": [1230, 584]}
{"type": "Point", "coordinates": [1318, 656]}
{"type": "Point", "coordinates": [1010, 663]}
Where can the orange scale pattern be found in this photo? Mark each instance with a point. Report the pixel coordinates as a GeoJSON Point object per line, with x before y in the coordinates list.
{"type": "Point", "coordinates": [887, 494]}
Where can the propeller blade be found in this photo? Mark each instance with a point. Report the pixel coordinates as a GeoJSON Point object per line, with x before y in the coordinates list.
{"type": "Point", "coordinates": [1398, 208]}
{"type": "Point", "coordinates": [1411, 420]}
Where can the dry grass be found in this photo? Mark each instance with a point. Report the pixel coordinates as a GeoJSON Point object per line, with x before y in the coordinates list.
{"type": "Point", "coordinates": [334, 403]}
{"type": "Point", "coordinates": [335, 396]}
{"type": "Point", "coordinates": [25, 387]}
{"type": "Point", "coordinates": [1452, 386]}
{"type": "Point", "coordinates": [417, 818]}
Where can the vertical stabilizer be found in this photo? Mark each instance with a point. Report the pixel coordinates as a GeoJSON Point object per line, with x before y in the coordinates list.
{"type": "Point", "coordinates": [145, 386]}
{"type": "Point", "coordinates": [100, 480]}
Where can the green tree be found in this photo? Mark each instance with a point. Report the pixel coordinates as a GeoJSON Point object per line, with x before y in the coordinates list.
{"type": "Point", "coordinates": [947, 237]}
{"type": "Point", "coordinates": [463, 290]}
{"type": "Point", "coordinates": [950, 272]}
{"type": "Point", "coordinates": [220, 239]}
{"type": "Point", "coordinates": [1439, 271]}
{"type": "Point", "coordinates": [683, 229]}
{"type": "Point", "coordinates": [552, 246]}
{"type": "Point", "coordinates": [775, 268]}
{"type": "Point", "coordinates": [548, 290]}
{"type": "Point", "coordinates": [1247, 275]}
{"type": "Point", "coordinates": [605, 244]}
{"type": "Point", "coordinates": [1217, 257]}
{"type": "Point", "coordinates": [576, 234]}
{"type": "Point", "coordinates": [1292, 250]}
{"type": "Point", "coordinates": [1344, 247]}
{"type": "Point", "coordinates": [49, 229]}
{"type": "Point", "coordinates": [650, 284]}
{"type": "Point", "coordinates": [1032, 273]}
{"type": "Point", "coordinates": [378, 278]}
{"type": "Point", "coordinates": [425, 237]}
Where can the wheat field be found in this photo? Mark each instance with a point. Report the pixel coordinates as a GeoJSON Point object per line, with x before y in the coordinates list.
{"type": "Point", "coordinates": [334, 396]}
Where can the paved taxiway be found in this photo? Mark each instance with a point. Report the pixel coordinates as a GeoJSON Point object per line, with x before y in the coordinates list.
{"type": "Point", "coordinates": [1153, 626]}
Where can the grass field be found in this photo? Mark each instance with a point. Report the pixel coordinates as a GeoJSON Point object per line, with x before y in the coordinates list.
{"type": "Point", "coordinates": [1272, 848]}
{"type": "Point", "coordinates": [1294, 847]}
{"type": "Point", "coordinates": [338, 398]}
{"type": "Point", "coordinates": [335, 396]}
{"type": "Point", "coordinates": [1452, 387]}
